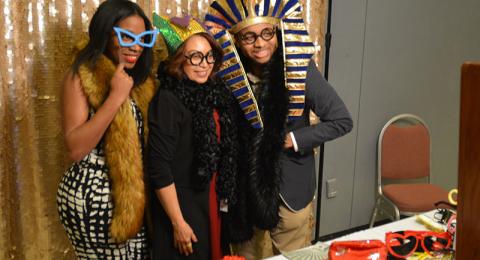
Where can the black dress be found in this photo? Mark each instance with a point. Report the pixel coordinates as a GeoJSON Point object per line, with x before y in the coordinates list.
{"type": "Point", "coordinates": [169, 159]}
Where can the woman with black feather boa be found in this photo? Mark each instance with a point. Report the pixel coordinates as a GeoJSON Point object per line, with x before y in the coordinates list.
{"type": "Point", "coordinates": [191, 150]}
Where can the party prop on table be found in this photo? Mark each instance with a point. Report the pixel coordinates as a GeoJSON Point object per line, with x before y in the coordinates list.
{"type": "Point", "coordinates": [403, 244]}
{"type": "Point", "coordinates": [358, 250]}
{"type": "Point", "coordinates": [430, 223]}
{"type": "Point", "coordinates": [450, 196]}
{"type": "Point", "coordinates": [318, 251]}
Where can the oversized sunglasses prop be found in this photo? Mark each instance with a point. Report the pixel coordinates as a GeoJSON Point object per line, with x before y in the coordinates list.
{"type": "Point", "coordinates": [128, 39]}
{"type": "Point", "coordinates": [404, 244]}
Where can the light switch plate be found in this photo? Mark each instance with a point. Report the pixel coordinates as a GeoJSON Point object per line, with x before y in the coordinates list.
{"type": "Point", "coordinates": [331, 188]}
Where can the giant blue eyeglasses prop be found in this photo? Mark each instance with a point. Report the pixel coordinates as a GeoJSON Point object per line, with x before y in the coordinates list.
{"type": "Point", "coordinates": [128, 39]}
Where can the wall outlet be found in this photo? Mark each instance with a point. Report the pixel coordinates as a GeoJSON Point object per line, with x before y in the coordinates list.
{"type": "Point", "coordinates": [331, 188]}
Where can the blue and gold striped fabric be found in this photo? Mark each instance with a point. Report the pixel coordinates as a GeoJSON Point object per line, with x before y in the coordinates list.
{"type": "Point", "coordinates": [231, 16]}
{"type": "Point", "coordinates": [234, 75]}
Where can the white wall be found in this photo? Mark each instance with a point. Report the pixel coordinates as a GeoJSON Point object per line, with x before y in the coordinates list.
{"type": "Point", "coordinates": [390, 57]}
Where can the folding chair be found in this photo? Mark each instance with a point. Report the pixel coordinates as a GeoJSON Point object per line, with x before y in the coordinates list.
{"type": "Point", "coordinates": [403, 169]}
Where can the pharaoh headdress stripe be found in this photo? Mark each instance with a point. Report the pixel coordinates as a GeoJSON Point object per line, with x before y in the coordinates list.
{"type": "Point", "coordinates": [230, 16]}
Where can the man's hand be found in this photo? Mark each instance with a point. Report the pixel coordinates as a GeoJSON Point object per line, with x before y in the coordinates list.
{"type": "Point", "coordinates": [288, 142]}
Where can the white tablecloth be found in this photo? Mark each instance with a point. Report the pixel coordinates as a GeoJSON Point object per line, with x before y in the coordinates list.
{"type": "Point", "coordinates": [409, 223]}
{"type": "Point", "coordinates": [379, 232]}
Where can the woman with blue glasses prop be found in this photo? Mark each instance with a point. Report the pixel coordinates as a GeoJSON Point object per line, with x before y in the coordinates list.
{"type": "Point", "coordinates": [106, 92]}
{"type": "Point", "coordinates": [191, 150]}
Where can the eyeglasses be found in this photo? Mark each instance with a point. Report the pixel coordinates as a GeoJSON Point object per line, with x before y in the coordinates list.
{"type": "Point", "coordinates": [197, 58]}
{"type": "Point", "coordinates": [128, 39]}
{"type": "Point", "coordinates": [443, 215]}
{"type": "Point", "coordinates": [251, 37]}
{"type": "Point", "coordinates": [404, 244]}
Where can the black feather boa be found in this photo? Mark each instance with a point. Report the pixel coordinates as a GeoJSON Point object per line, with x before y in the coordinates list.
{"type": "Point", "coordinates": [260, 173]}
{"type": "Point", "coordinates": [210, 155]}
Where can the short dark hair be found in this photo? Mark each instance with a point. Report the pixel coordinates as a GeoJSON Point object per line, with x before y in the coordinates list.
{"type": "Point", "coordinates": [108, 15]}
{"type": "Point", "coordinates": [174, 63]}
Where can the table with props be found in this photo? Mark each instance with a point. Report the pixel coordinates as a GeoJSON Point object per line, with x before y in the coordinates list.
{"type": "Point", "coordinates": [320, 250]}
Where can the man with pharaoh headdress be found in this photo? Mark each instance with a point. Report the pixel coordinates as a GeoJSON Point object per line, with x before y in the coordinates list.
{"type": "Point", "coordinates": [269, 68]}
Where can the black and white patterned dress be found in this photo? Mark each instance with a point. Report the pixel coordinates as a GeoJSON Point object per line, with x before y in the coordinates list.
{"type": "Point", "coordinates": [85, 206]}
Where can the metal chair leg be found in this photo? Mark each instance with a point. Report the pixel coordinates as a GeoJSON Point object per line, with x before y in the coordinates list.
{"type": "Point", "coordinates": [397, 213]}
{"type": "Point", "coordinates": [374, 215]}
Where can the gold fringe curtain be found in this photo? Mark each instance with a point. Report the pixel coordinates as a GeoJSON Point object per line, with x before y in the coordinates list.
{"type": "Point", "coordinates": [36, 38]}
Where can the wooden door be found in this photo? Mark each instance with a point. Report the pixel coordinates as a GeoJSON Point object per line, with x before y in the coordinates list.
{"type": "Point", "coordinates": [468, 227]}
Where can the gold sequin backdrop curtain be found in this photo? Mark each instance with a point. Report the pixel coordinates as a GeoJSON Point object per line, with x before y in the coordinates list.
{"type": "Point", "coordinates": [36, 38]}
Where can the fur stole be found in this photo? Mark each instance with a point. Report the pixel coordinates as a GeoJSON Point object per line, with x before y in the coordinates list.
{"type": "Point", "coordinates": [122, 147]}
{"type": "Point", "coordinates": [210, 154]}
{"type": "Point", "coordinates": [260, 173]}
